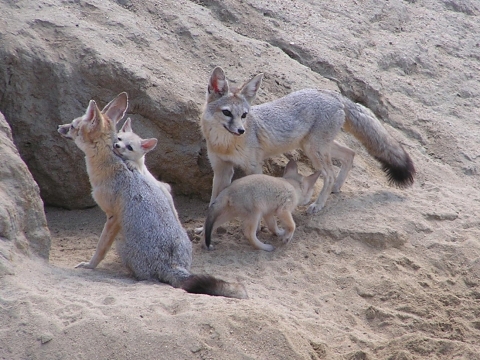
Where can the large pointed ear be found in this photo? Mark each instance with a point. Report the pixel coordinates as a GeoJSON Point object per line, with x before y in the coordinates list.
{"type": "Point", "coordinates": [93, 115]}
{"type": "Point", "coordinates": [218, 85]}
{"type": "Point", "coordinates": [249, 90]}
{"type": "Point", "coordinates": [90, 112]}
{"type": "Point", "coordinates": [310, 181]}
{"type": "Point", "coordinates": [116, 108]}
{"type": "Point", "coordinates": [148, 144]}
{"type": "Point", "coordinates": [127, 126]}
{"type": "Point", "coordinates": [291, 168]}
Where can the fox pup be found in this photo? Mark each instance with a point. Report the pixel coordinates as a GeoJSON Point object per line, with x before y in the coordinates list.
{"type": "Point", "coordinates": [153, 245]}
{"type": "Point", "coordinates": [241, 135]}
{"type": "Point", "coordinates": [258, 196]}
{"type": "Point", "coordinates": [132, 149]}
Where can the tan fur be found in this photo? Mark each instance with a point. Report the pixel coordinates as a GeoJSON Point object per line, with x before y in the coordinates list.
{"type": "Point", "coordinates": [80, 130]}
{"type": "Point", "coordinates": [154, 244]}
{"type": "Point", "coordinates": [241, 135]}
{"type": "Point", "coordinates": [260, 196]}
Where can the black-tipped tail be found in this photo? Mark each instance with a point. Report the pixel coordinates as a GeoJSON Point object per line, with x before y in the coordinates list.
{"type": "Point", "coordinates": [209, 285]}
{"type": "Point", "coordinates": [401, 176]}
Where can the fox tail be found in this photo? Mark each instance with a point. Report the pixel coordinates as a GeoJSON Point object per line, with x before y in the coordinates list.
{"type": "Point", "coordinates": [214, 212]}
{"type": "Point", "coordinates": [209, 285]}
{"type": "Point", "coordinates": [363, 124]}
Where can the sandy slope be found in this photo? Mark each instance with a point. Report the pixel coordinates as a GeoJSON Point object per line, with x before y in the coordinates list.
{"type": "Point", "coordinates": [348, 286]}
{"type": "Point", "coordinates": [380, 273]}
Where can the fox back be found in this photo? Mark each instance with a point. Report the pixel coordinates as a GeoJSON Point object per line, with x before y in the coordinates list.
{"type": "Point", "coordinates": [241, 135]}
{"type": "Point", "coordinates": [259, 196]}
{"type": "Point", "coordinates": [155, 245]}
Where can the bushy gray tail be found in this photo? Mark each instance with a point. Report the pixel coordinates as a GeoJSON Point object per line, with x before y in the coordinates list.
{"type": "Point", "coordinates": [396, 163]}
{"type": "Point", "coordinates": [209, 285]}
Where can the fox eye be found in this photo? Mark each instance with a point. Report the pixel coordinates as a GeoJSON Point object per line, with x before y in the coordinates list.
{"type": "Point", "coordinates": [227, 113]}
{"type": "Point", "coordinates": [119, 139]}
{"type": "Point", "coordinates": [244, 115]}
{"type": "Point", "coordinates": [129, 148]}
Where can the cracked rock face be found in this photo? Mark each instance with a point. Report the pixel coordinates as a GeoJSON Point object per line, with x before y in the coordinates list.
{"type": "Point", "coordinates": [391, 58]}
{"type": "Point", "coordinates": [22, 221]}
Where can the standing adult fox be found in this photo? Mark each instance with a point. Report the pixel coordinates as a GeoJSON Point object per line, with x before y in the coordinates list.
{"type": "Point", "coordinates": [241, 135]}
{"type": "Point", "coordinates": [154, 244]}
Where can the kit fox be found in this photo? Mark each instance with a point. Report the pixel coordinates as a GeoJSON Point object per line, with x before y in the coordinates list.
{"type": "Point", "coordinates": [154, 245]}
{"type": "Point", "coordinates": [258, 196]}
{"type": "Point", "coordinates": [241, 135]}
{"type": "Point", "coordinates": [132, 149]}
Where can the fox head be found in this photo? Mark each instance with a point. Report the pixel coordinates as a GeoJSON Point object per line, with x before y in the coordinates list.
{"type": "Point", "coordinates": [230, 108]}
{"type": "Point", "coordinates": [130, 146]}
{"type": "Point", "coordinates": [303, 184]}
{"type": "Point", "coordinates": [95, 124]}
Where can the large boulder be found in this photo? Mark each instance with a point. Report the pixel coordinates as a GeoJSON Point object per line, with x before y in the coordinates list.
{"type": "Point", "coordinates": [23, 227]}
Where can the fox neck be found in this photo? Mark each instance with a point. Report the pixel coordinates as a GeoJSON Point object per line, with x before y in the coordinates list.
{"type": "Point", "coordinates": [139, 164]}
{"type": "Point", "coordinates": [101, 162]}
{"type": "Point", "coordinates": [221, 141]}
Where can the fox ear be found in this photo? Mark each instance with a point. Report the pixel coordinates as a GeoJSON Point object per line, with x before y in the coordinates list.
{"type": "Point", "coordinates": [127, 126]}
{"type": "Point", "coordinates": [90, 112]}
{"type": "Point", "coordinates": [290, 168]}
{"type": "Point", "coordinates": [218, 85]}
{"type": "Point", "coordinates": [312, 179]}
{"type": "Point", "coordinates": [249, 90]}
{"type": "Point", "coordinates": [148, 144]}
{"type": "Point", "coordinates": [116, 108]}
{"type": "Point", "coordinates": [92, 115]}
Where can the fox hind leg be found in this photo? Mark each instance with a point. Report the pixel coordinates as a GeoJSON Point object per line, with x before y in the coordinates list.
{"type": "Point", "coordinates": [271, 223]}
{"type": "Point", "coordinates": [345, 155]}
{"type": "Point", "coordinates": [250, 226]}
{"type": "Point", "coordinates": [321, 161]}
{"type": "Point", "coordinates": [288, 223]}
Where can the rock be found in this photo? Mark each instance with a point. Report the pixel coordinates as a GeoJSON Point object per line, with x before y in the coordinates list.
{"type": "Point", "coordinates": [56, 59]}
{"type": "Point", "coordinates": [23, 226]}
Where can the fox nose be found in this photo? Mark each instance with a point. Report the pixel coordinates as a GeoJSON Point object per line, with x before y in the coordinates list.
{"type": "Point", "coordinates": [116, 145]}
{"type": "Point", "coordinates": [241, 131]}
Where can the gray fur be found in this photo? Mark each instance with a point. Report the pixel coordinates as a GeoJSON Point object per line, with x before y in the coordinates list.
{"type": "Point", "coordinates": [162, 250]}
{"type": "Point", "coordinates": [308, 119]}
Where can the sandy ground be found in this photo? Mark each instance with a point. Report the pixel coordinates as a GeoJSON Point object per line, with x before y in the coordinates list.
{"type": "Point", "coordinates": [343, 289]}
{"type": "Point", "coordinates": [380, 273]}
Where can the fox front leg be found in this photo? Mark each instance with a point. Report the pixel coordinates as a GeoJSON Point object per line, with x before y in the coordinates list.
{"type": "Point", "coordinates": [110, 230]}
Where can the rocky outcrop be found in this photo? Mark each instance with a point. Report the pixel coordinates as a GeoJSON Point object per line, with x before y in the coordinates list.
{"type": "Point", "coordinates": [23, 227]}
{"type": "Point", "coordinates": [58, 56]}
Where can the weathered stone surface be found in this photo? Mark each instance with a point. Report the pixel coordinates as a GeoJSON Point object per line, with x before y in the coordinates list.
{"type": "Point", "coordinates": [59, 54]}
{"type": "Point", "coordinates": [23, 226]}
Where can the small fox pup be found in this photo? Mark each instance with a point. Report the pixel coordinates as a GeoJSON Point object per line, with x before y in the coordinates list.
{"type": "Point", "coordinates": [241, 135]}
{"type": "Point", "coordinates": [132, 149]}
{"type": "Point", "coordinates": [258, 196]}
{"type": "Point", "coordinates": [153, 245]}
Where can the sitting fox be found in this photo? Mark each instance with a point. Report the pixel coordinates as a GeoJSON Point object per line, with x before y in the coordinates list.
{"type": "Point", "coordinates": [132, 149]}
{"type": "Point", "coordinates": [258, 196]}
{"type": "Point", "coordinates": [154, 245]}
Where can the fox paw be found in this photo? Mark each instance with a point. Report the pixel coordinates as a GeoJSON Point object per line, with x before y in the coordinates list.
{"type": "Point", "coordinates": [314, 208]}
{"type": "Point", "coordinates": [280, 232]}
{"type": "Point", "coordinates": [267, 247]}
{"type": "Point", "coordinates": [209, 247]}
{"type": "Point", "coordinates": [84, 265]}
{"type": "Point", "coordinates": [287, 237]}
